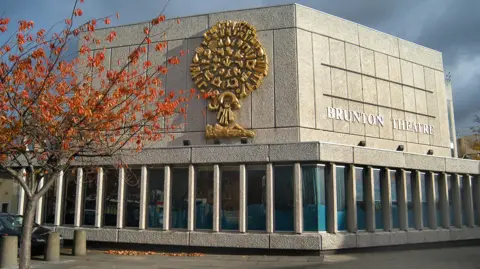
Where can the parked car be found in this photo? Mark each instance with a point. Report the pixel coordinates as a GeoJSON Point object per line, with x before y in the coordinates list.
{"type": "Point", "coordinates": [12, 225]}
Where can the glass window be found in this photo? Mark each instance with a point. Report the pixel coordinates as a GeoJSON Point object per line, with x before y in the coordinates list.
{"type": "Point", "coordinates": [314, 199]}
{"type": "Point", "coordinates": [230, 183]}
{"type": "Point", "coordinates": [463, 197]}
{"type": "Point", "coordinates": [341, 198]}
{"type": "Point", "coordinates": [132, 197]}
{"type": "Point", "coordinates": [411, 215]}
{"type": "Point", "coordinates": [438, 205]}
{"type": "Point", "coordinates": [89, 196]}
{"type": "Point", "coordinates": [155, 194]}
{"type": "Point", "coordinates": [377, 193]}
{"type": "Point", "coordinates": [424, 202]}
{"type": "Point", "coordinates": [204, 198]}
{"type": "Point", "coordinates": [256, 198]}
{"type": "Point", "coordinates": [475, 200]}
{"type": "Point", "coordinates": [283, 192]}
{"type": "Point", "coordinates": [450, 199]}
{"type": "Point", "coordinates": [359, 184]}
{"type": "Point", "coordinates": [179, 214]}
{"type": "Point", "coordinates": [395, 211]}
{"type": "Point", "coordinates": [49, 204]}
{"type": "Point", "coordinates": [110, 206]}
{"type": "Point", "coordinates": [70, 195]}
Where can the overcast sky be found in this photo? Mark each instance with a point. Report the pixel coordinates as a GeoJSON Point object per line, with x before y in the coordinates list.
{"type": "Point", "coordinates": [450, 26]}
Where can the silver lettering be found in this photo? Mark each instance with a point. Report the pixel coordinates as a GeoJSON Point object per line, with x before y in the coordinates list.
{"type": "Point", "coordinates": [380, 120]}
{"type": "Point", "coordinates": [409, 126]}
{"type": "Point", "coordinates": [356, 116]}
{"type": "Point", "coordinates": [431, 130]}
{"type": "Point", "coordinates": [415, 127]}
{"type": "Point", "coordinates": [348, 116]}
{"type": "Point", "coordinates": [371, 119]}
{"type": "Point", "coordinates": [364, 118]}
{"type": "Point", "coordinates": [426, 129]}
{"type": "Point", "coordinates": [331, 112]}
{"type": "Point", "coordinates": [401, 124]}
{"type": "Point", "coordinates": [394, 124]}
{"type": "Point", "coordinates": [339, 114]}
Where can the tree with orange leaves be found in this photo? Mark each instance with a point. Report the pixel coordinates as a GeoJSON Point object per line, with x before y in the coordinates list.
{"type": "Point", "coordinates": [55, 111]}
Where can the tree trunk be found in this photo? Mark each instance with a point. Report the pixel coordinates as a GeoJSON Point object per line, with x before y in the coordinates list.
{"type": "Point", "coordinates": [26, 241]}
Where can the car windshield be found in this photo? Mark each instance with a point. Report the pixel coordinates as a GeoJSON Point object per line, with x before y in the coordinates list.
{"type": "Point", "coordinates": [9, 222]}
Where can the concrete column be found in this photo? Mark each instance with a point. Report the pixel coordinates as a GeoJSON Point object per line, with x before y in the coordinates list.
{"type": "Point", "coordinates": [402, 200]}
{"type": "Point", "coordinates": [476, 196]}
{"type": "Point", "coordinates": [79, 243]}
{"type": "Point", "coordinates": [52, 249]}
{"type": "Point", "coordinates": [167, 187]}
{"type": "Point", "coordinates": [191, 198]}
{"type": "Point", "coordinates": [39, 210]}
{"type": "Point", "coordinates": [59, 200]}
{"type": "Point", "coordinates": [298, 198]}
{"type": "Point", "coordinates": [369, 201]}
{"type": "Point", "coordinates": [457, 201]}
{"type": "Point", "coordinates": [417, 201]}
{"type": "Point", "coordinates": [21, 194]}
{"type": "Point", "coordinates": [79, 199]}
{"type": "Point", "coordinates": [431, 200]}
{"type": "Point", "coordinates": [444, 200]}
{"type": "Point", "coordinates": [468, 200]}
{"type": "Point", "coordinates": [142, 224]}
{"type": "Point", "coordinates": [269, 196]}
{"type": "Point", "coordinates": [8, 252]}
{"type": "Point", "coordinates": [216, 198]}
{"type": "Point", "coordinates": [99, 202]}
{"type": "Point", "coordinates": [351, 192]}
{"type": "Point", "coordinates": [332, 223]}
{"type": "Point", "coordinates": [243, 199]}
{"type": "Point", "coordinates": [386, 189]}
{"type": "Point", "coordinates": [121, 198]}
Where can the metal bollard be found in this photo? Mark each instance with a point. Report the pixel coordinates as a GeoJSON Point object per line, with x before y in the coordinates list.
{"type": "Point", "coordinates": [79, 243]}
{"type": "Point", "coordinates": [8, 252]}
{"type": "Point", "coordinates": [52, 249]}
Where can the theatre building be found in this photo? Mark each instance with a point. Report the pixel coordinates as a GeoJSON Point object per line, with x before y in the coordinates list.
{"type": "Point", "coordinates": [320, 134]}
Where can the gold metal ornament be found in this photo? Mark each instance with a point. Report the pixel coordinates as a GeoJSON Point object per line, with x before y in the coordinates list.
{"type": "Point", "coordinates": [229, 65]}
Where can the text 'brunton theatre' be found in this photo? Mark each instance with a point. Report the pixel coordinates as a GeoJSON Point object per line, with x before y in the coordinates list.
{"type": "Point", "coordinates": [319, 134]}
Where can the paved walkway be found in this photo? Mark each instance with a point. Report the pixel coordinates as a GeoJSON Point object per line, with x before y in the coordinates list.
{"type": "Point", "coordinates": [451, 258]}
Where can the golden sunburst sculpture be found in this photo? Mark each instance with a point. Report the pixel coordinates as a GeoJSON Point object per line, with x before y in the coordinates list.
{"type": "Point", "coordinates": [229, 65]}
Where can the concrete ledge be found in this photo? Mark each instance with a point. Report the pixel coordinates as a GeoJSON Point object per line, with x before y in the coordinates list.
{"type": "Point", "coordinates": [375, 157]}
{"type": "Point", "coordinates": [304, 242]}
{"type": "Point", "coordinates": [398, 238]}
{"type": "Point", "coordinates": [153, 237]}
{"type": "Point", "coordinates": [65, 232]}
{"type": "Point", "coordinates": [462, 166]}
{"type": "Point", "coordinates": [376, 239]}
{"type": "Point", "coordinates": [415, 237]}
{"type": "Point", "coordinates": [336, 153]}
{"type": "Point", "coordinates": [423, 162]}
{"type": "Point", "coordinates": [338, 241]}
{"type": "Point", "coordinates": [464, 234]}
{"type": "Point", "coordinates": [295, 152]}
{"type": "Point", "coordinates": [99, 235]}
{"type": "Point", "coordinates": [230, 154]}
{"type": "Point", "coordinates": [231, 240]}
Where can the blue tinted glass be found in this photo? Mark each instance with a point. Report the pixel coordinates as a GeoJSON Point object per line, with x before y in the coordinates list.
{"type": "Point", "coordinates": [359, 176]}
{"type": "Point", "coordinates": [283, 183]}
{"type": "Point", "coordinates": [341, 199]}
{"type": "Point", "coordinates": [377, 198]}
{"type": "Point", "coordinates": [411, 221]}
{"type": "Point", "coordinates": [230, 204]}
{"type": "Point", "coordinates": [179, 196]}
{"type": "Point", "coordinates": [256, 193]}
{"type": "Point", "coordinates": [204, 198]}
{"type": "Point", "coordinates": [423, 188]}
{"type": "Point", "coordinates": [393, 184]}
{"type": "Point", "coordinates": [314, 206]}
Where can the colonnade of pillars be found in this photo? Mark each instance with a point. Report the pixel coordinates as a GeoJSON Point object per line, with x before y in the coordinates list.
{"type": "Point", "coordinates": [470, 201]}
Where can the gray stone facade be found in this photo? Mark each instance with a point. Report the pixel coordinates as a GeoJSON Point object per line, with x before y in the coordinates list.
{"type": "Point", "coordinates": [316, 61]}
